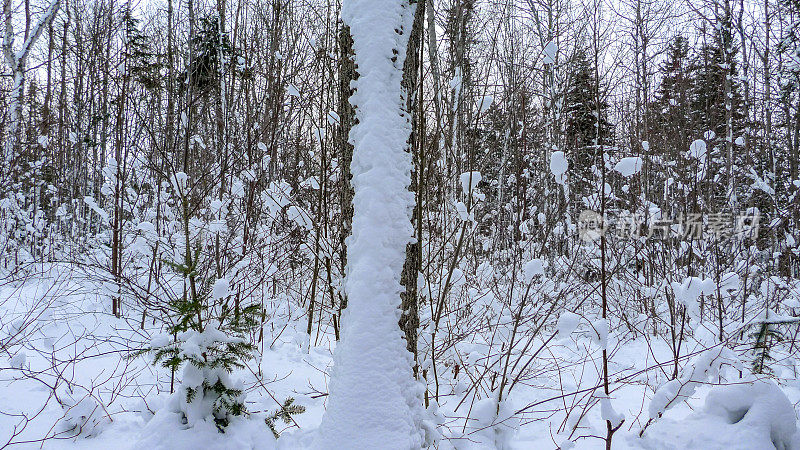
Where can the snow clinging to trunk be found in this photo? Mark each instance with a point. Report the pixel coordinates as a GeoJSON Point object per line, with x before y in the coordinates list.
{"type": "Point", "coordinates": [374, 400]}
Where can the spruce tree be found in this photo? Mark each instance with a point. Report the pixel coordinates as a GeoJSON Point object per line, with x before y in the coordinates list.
{"type": "Point", "coordinates": [581, 129]}
{"type": "Point", "coordinates": [144, 63]}
{"type": "Point", "coordinates": [709, 71]}
{"type": "Point", "coordinates": [212, 52]}
{"type": "Point", "coordinates": [208, 336]}
{"type": "Point", "coordinates": [671, 131]}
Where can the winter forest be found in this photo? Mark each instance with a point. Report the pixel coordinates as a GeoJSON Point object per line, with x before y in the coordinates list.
{"type": "Point", "coordinates": [400, 224]}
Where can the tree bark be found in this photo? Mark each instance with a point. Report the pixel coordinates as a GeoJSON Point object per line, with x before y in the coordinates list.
{"type": "Point", "coordinates": [409, 320]}
{"type": "Point", "coordinates": [347, 74]}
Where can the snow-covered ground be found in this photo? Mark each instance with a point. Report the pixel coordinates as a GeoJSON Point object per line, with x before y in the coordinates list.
{"type": "Point", "coordinates": [65, 382]}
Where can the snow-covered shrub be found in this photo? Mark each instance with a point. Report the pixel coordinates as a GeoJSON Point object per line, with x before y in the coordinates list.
{"type": "Point", "coordinates": [208, 357]}
{"type": "Point", "coordinates": [703, 368]}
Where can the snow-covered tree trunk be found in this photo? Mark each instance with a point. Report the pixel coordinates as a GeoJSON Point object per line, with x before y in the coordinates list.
{"type": "Point", "coordinates": [374, 399]}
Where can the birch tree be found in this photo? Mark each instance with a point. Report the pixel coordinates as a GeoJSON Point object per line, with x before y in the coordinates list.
{"type": "Point", "coordinates": [16, 59]}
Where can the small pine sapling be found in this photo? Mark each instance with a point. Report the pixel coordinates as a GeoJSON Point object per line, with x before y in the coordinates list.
{"type": "Point", "coordinates": [208, 337]}
{"type": "Point", "coordinates": [209, 349]}
{"type": "Point", "coordinates": [765, 337]}
{"type": "Point", "coordinates": [285, 413]}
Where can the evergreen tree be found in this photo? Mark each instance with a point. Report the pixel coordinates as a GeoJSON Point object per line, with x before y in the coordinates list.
{"type": "Point", "coordinates": [208, 335]}
{"type": "Point", "coordinates": [144, 64]}
{"type": "Point", "coordinates": [671, 130]}
{"type": "Point", "coordinates": [212, 52]}
{"type": "Point", "coordinates": [765, 336]}
{"type": "Point", "coordinates": [582, 147]}
{"type": "Point", "coordinates": [709, 70]}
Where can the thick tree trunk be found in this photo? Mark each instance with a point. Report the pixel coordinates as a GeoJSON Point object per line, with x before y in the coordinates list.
{"type": "Point", "coordinates": [409, 320]}
{"type": "Point", "coordinates": [347, 74]}
{"type": "Point", "coordinates": [372, 356]}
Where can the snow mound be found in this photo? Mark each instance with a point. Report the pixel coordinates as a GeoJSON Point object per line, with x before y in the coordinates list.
{"type": "Point", "coordinates": [760, 413]}
{"type": "Point", "coordinates": [754, 415]}
{"type": "Point", "coordinates": [167, 430]}
{"type": "Point", "coordinates": [83, 415]}
{"type": "Point", "coordinates": [533, 268]}
{"type": "Point", "coordinates": [491, 426]}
